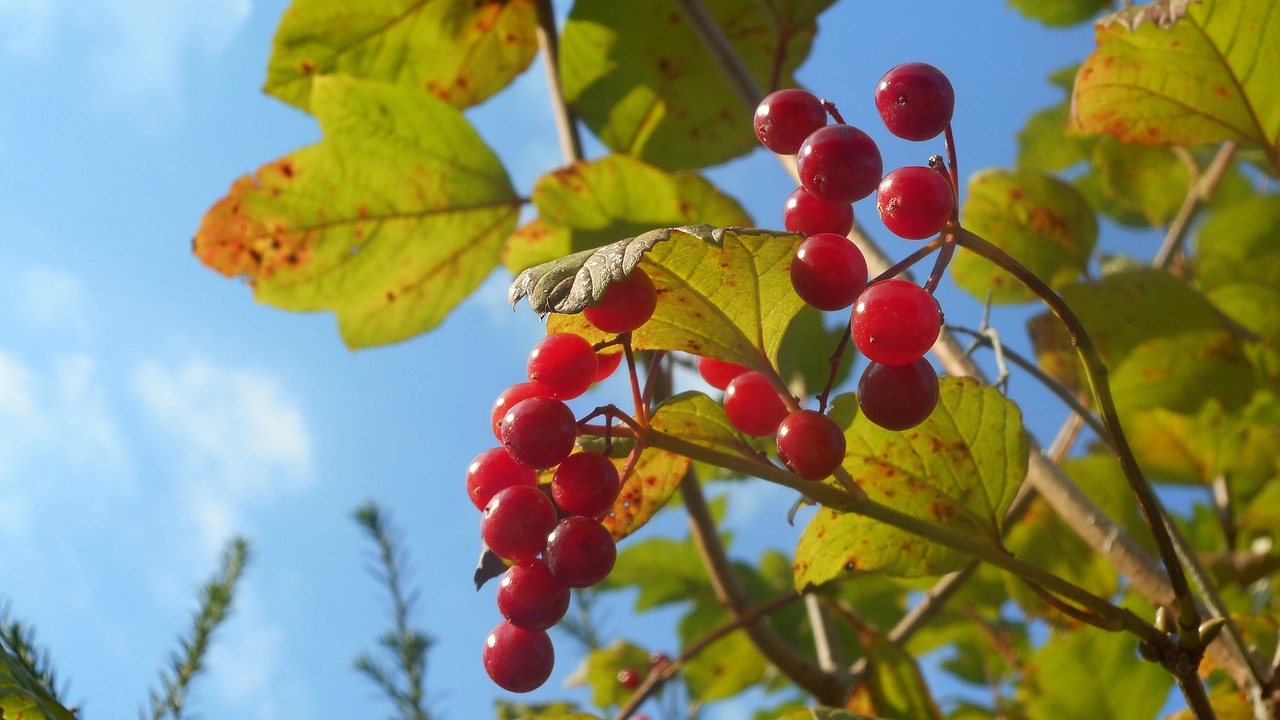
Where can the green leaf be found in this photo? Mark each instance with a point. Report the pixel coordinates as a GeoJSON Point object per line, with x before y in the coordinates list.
{"type": "Point", "coordinates": [824, 713]}
{"type": "Point", "coordinates": [461, 51]}
{"type": "Point", "coordinates": [1038, 219]}
{"type": "Point", "coordinates": [1066, 683]}
{"type": "Point", "coordinates": [961, 467]}
{"type": "Point", "coordinates": [1140, 180]}
{"type": "Point", "coordinates": [395, 217]}
{"type": "Point", "coordinates": [600, 669]}
{"type": "Point", "coordinates": [22, 696]}
{"type": "Point", "coordinates": [1060, 13]}
{"type": "Point", "coordinates": [639, 77]}
{"type": "Point", "coordinates": [726, 667]}
{"type": "Point", "coordinates": [539, 711]}
{"type": "Point", "coordinates": [804, 359]}
{"type": "Point", "coordinates": [595, 202]}
{"type": "Point", "coordinates": [1239, 262]}
{"type": "Point", "coordinates": [895, 687]}
{"type": "Point", "coordinates": [1185, 73]}
{"type": "Point", "coordinates": [663, 571]}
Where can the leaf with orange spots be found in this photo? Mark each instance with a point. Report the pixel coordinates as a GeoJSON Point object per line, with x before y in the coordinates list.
{"type": "Point", "coordinates": [389, 222]}
{"type": "Point", "coordinates": [961, 467]}
{"type": "Point", "coordinates": [1040, 220]}
{"type": "Point", "coordinates": [1182, 72]}
{"type": "Point", "coordinates": [462, 51]}
{"type": "Point", "coordinates": [639, 76]}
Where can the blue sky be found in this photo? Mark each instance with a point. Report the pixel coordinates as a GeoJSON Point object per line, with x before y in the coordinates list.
{"type": "Point", "coordinates": [149, 409]}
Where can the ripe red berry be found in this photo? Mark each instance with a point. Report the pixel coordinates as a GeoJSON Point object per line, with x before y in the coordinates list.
{"type": "Point", "coordinates": [807, 215]}
{"type": "Point", "coordinates": [829, 271]}
{"type": "Point", "coordinates": [719, 373]}
{"type": "Point", "coordinates": [607, 362]}
{"type": "Point", "coordinates": [586, 483]}
{"type": "Point", "coordinates": [915, 101]}
{"type": "Point", "coordinates": [580, 552]}
{"type": "Point", "coordinates": [518, 660]}
{"type": "Point", "coordinates": [494, 470]}
{"type": "Point", "coordinates": [752, 405]}
{"type": "Point", "coordinates": [508, 399]}
{"type": "Point", "coordinates": [786, 117]}
{"type": "Point", "coordinates": [529, 598]}
{"type": "Point", "coordinates": [628, 678]}
{"type": "Point", "coordinates": [563, 365]}
{"type": "Point", "coordinates": [811, 444]}
{"type": "Point", "coordinates": [839, 164]}
{"type": "Point", "coordinates": [516, 522]}
{"type": "Point", "coordinates": [915, 202]}
{"type": "Point", "coordinates": [895, 322]}
{"type": "Point", "coordinates": [626, 304]}
{"type": "Point", "coordinates": [898, 397]}
{"type": "Point", "coordinates": [539, 432]}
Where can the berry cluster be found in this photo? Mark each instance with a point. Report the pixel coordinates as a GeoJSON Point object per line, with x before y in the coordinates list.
{"type": "Point", "coordinates": [894, 322]}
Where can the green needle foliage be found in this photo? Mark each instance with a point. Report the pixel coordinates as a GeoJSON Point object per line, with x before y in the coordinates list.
{"type": "Point", "coordinates": [19, 640]}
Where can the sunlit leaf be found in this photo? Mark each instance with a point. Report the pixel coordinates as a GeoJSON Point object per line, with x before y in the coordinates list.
{"type": "Point", "coordinates": [824, 713]}
{"type": "Point", "coordinates": [1044, 142]}
{"type": "Point", "coordinates": [1065, 684]}
{"type": "Point", "coordinates": [959, 468]}
{"type": "Point", "coordinates": [726, 667]}
{"type": "Point", "coordinates": [645, 490]}
{"type": "Point", "coordinates": [1038, 219]}
{"type": "Point", "coordinates": [1239, 262]}
{"type": "Point", "coordinates": [1227, 703]}
{"type": "Point", "coordinates": [395, 217]}
{"type": "Point", "coordinates": [539, 711]}
{"type": "Point", "coordinates": [1060, 13]}
{"type": "Point", "coordinates": [662, 570]}
{"type": "Point", "coordinates": [1185, 73]}
{"type": "Point", "coordinates": [1146, 181]}
{"type": "Point", "coordinates": [22, 696]}
{"type": "Point", "coordinates": [804, 359]}
{"type": "Point", "coordinates": [599, 671]}
{"type": "Point", "coordinates": [895, 687]}
{"type": "Point", "coordinates": [462, 51]}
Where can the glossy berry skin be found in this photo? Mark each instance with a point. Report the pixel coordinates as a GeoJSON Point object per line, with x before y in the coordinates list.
{"type": "Point", "coordinates": [539, 432]}
{"type": "Point", "coordinates": [585, 483]}
{"type": "Point", "coordinates": [507, 399]}
{"type": "Point", "coordinates": [562, 365]}
{"type": "Point", "coordinates": [607, 363]}
{"type": "Point", "coordinates": [719, 373]}
{"type": "Point", "coordinates": [518, 661]}
{"type": "Point", "coordinates": [810, 444]}
{"type": "Point", "coordinates": [580, 552]}
{"type": "Point", "coordinates": [626, 304]}
{"type": "Point", "coordinates": [915, 101]}
{"type": "Point", "coordinates": [807, 215]}
{"type": "Point", "coordinates": [898, 397]}
{"type": "Point", "coordinates": [752, 405]}
{"type": "Point", "coordinates": [914, 202]}
{"type": "Point", "coordinates": [828, 271]}
{"type": "Point", "coordinates": [628, 679]}
{"type": "Point", "coordinates": [895, 322]}
{"type": "Point", "coordinates": [786, 117]}
{"type": "Point", "coordinates": [839, 164]}
{"type": "Point", "coordinates": [516, 522]}
{"type": "Point", "coordinates": [494, 470]}
{"type": "Point", "coordinates": [529, 598]}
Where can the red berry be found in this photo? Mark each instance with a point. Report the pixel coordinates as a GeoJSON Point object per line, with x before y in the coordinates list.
{"type": "Point", "coordinates": [915, 101]}
{"type": "Point", "coordinates": [628, 678]}
{"type": "Point", "coordinates": [580, 552]}
{"type": "Point", "coordinates": [626, 304]}
{"type": "Point", "coordinates": [807, 215]}
{"type": "Point", "coordinates": [518, 660]}
{"type": "Point", "coordinates": [586, 483]}
{"type": "Point", "coordinates": [606, 363]}
{"type": "Point", "coordinates": [563, 365]}
{"type": "Point", "coordinates": [895, 322]}
{"type": "Point", "coordinates": [494, 470]}
{"type": "Point", "coordinates": [752, 405]}
{"type": "Point", "coordinates": [786, 117]}
{"type": "Point", "coordinates": [719, 373]}
{"type": "Point", "coordinates": [539, 432]}
{"type": "Point", "coordinates": [811, 444]}
{"type": "Point", "coordinates": [508, 399]}
{"type": "Point", "coordinates": [516, 522]}
{"type": "Point", "coordinates": [898, 397]}
{"type": "Point", "coordinates": [529, 598]}
{"type": "Point", "coordinates": [915, 202]}
{"type": "Point", "coordinates": [829, 271]}
{"type": "Point", "coordinates": [839, 164]}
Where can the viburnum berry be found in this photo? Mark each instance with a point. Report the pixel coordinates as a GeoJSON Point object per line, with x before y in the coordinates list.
{"type": "Point", "coordinates": [563, 365]}
{"type": "Point", "coordinates": [807, 215]}
{"type": "Point", "coordinates": [810, 444]}
{"type": "Point", "coordinates": [719, 373]}
{"type": "Point", "coordinates": [839, 164]}
{"type": "Point", "coordinates": [580, 552]}
{"type": "Point", "coordinates": [915, 101]}
{"type": "Point", "coordinates": [895, 322]}
{"type": "Point", "coordinates": [539, 432]}
{"type": "Point", "coordinates": [828, 271]}
{"type": "Point", "coordinates": [628, 678]}
{"type": "Point", "coordinates": [516, 522]}
{"type": "Point", "coordinates": [607, 362]}
{"type": "Point", "coordinates": [494, 470]}
{"type": "Point", "coordinates": [786, 117]}
{"type": "Point", "coordinates": [626, 304]}
{"type": "Point", "coordinates": [529, 598]}
{"type": "Point", "coordinates": [915, 202]}
{"type": "Point", "coordinates": [898, 397]}
{"type": "Point", "coordinates": [752, 405]}
{"type": "Point", "coordinates": [585, 483]}
{"type": "Point", "coordinates": [507, 399]}
{"type": "Point", "coordinates": [518, 661]}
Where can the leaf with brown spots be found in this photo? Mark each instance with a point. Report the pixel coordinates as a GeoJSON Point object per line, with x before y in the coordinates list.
{"type": "Point", "coordinates": [389, 222]}
{"type": "Point", "coordinates": [1185, 73]}
{"type": "Point", "coordinates": [461, 51]}
{"type": "Point", "coordinates": [961, 467]}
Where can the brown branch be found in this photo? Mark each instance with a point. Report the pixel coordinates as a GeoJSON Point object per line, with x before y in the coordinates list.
{"type": "Point", "coordinates": [549, 46]}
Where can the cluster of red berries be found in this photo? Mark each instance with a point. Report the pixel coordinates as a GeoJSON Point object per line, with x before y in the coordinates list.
{"type": "Point", "coordinates": [894, 322]}
{"type": "Point", "coordinates": [551, 535]}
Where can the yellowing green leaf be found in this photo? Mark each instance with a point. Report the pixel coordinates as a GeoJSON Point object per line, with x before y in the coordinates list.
{"type": "Point", "coordinates": [22, 696]}
{"type": "Point", "coordinates": [1065, 684]}
{"type": "Point", "coordinates": [1060, 13]}
{"type": "Point", "coordinates": [824, 713]}
{"type": "Point", "coordinates": [1239, 262]}
{"type": "Point", "coordinates": [726, 667]}
{"type": "Point", "coordinates": [390, 221]}
{"type": "Point", "coordinates": [1149, 182]}
{"type": "Point", "coordinates": [600, 669]}
{"type": "Point", "coordinates": [895, 687]}
{"type": "Point", "coordinates": [461, 51]}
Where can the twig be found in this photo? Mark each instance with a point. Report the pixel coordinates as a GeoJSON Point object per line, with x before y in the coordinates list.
{"type": "Point", "coordinates": [1199, 193]}
{"type": "Point", "coordinates": [549, 46]}
{"type": "Point", "coordinates": [722, 52]}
